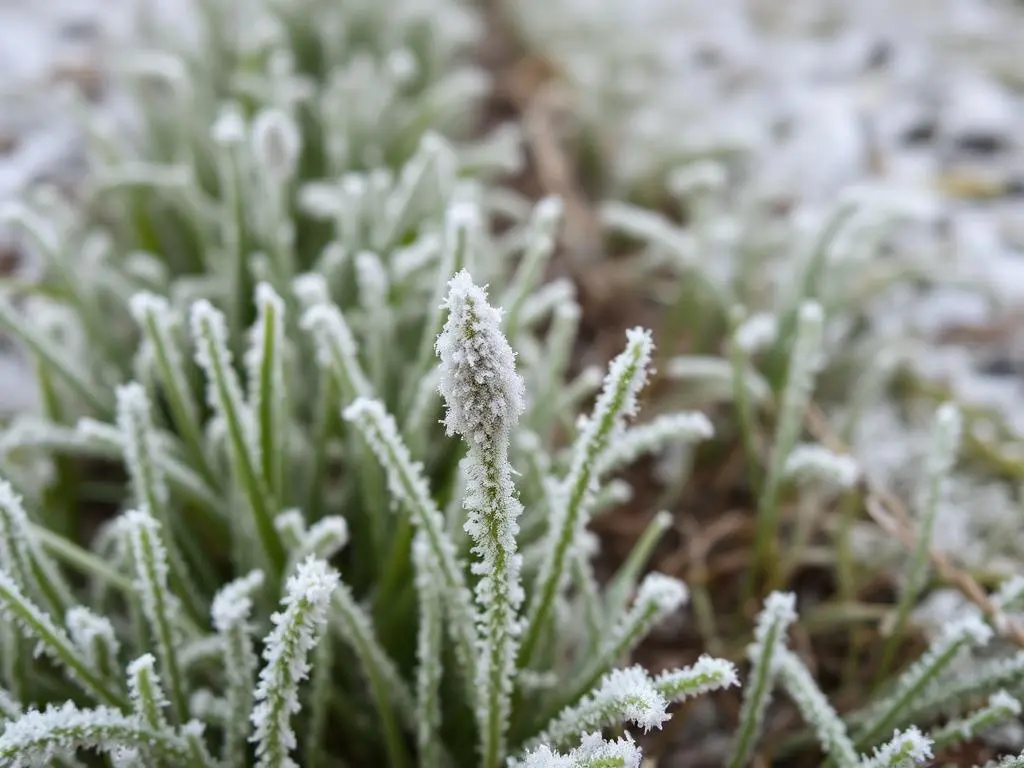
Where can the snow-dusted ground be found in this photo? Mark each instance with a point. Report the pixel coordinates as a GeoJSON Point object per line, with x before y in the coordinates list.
{"type": "Point", "coordinates": [920, 100]}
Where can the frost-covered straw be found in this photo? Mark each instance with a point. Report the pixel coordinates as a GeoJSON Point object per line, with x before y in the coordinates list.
{"type": "Point", "coordinates": [38, 627]}
{"type": "Point", "coordinates": [336, 348]}
{"type": "Point", "coordinates": [153, 315]}
{"type": "Point", "coordinates": [95, 637]}
{"type": "Point", "coordinates": [909, 747]}
{"type": "Point", "coordinates": [484, 397]}
{"type": "Point", "coordinates": [803, 369]}
{"type": "Point", "coordinates": [705, 675]}
{"type": "Point", "coordinates": [625, 579]}
{"type": "Point", "coordinates": [24, 559]}
{"type": "Point", "coordinates": [462, 225]}
{"type": "Point", "coordinates": [658, 597]}
{"type": "Point", "coordinates": [159, 605]}
{"type": "Point", "coordinates": [812, 462]}
{"type": "Point", "coordinates": [540, 244]}
{"type": "Point", "coordinates": [944, 444]}
{"type": "Point", "coordinates": [764, 654]}
{"type": "Point", "coordinates": [296, 631]}
{"type": "Point", "coordinates": [145, 691]}
{"type": "Point", "coordinates": [428, 655]}
{"type": "Point", "coordinates": [36, 738]}
{"type": "Point", "coordinates": [624, 695]}
{"type": "Point", "coordinates": [135, 422]}
{"type": "Point", "coordinates": [408, 484]}
{"type": "Point", "coordinates": [268, 398]}
{"type": "Point", "coordinates": [1001, 708]}
{"type": "Point", "coordinates": [816, 710]}
{"type": "Point", "coordinates": [230, 612]}
{"type": "Point", "coordinates": [617, 401]}
{"type": "Point", "coordinates": [224, 392]}
{"type": "Point", "coordinates": [593, 751]}
{"type": "Point", "coordinates": [969, 632]}
{"type": "Point", "coordinates": [667, 429]}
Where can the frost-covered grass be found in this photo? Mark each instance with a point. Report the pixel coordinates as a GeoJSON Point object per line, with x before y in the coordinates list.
{"type": "Point", "coordinates": [314, 472]}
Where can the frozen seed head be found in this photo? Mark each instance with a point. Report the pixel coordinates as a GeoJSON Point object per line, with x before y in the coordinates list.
{"type": "Point", "coordinates": [548, 212]}
{"type": "Point", "coordinates": [705, 675]}
{"type": "Point", "coordinates": [630, 367]}
{"type": "Point", "coordinates": [772, 623]}
{"type": "Point", "coordinates": [780, 607]}
{"type": "Point", "coordinates": [90, 633]}
{"type": "Point", "coordinates": [757, 333]}
{"type": "Point", "coordinates": [144, 533]}
{"type": "Point", "coordinates": [267, 297]}
{"type": "Point", "coordinates": [205, 319]}
{"type": "Point", "coordinates": [592, 751]}
{"type": "Point", "coordinates": [905, 746]}
{"type": "Point", "coordinates": [144, 305]}
{"type": "Point", "coordinates": [402, 65]}
{"type": "Point", "coordinates": [706, 175]}
{"type": "Point", "coordinates": [310, 288]}
{"type": "Point", "coordinates": [276, 142]}
{"type": "Point", "coordinates": [326, 537]}
{"type": "Point", "coordinates": [640, 703]}
{"type": "Point", "coordinates": [811, 312]}
{"type": "Point", "coordinates": [229, 127]}
{"type": "Point", "coordinates": [664, 592]}
{"type": "Point", "coordinates": [1005, 701]}
{"type": "Point", "coordinates": [462, 215]}
{"type": "Point", "coordinates": [970, 629]}
{"type": "Point", "coordinates": [945, 440]}
{"type": "Point", "coordinates": [816, 462]}
{"type": "Point", "coordinates": [291, 525]}
{"type": "Point", "coordinates": [140, 669]}
{"type": "Point", "coordinates": [233, 603]}
{"type": "Point", "coordinates": [312, 584]}
{"type": "Point", "coordinates": [483, 392]}
{"type": "Point", "coordinates": [319, 200]}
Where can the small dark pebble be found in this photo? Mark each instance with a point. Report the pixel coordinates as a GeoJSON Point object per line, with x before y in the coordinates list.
{"type": "Point", "coordinates": [1014, 187]}
{"type": "Point", "coordinates": [78, 29]}
{"type": "Point", "coordinates": [981, 143]}
{"type": "Point", "coordinates": [1000, 366]}
{"type": "Point", "coordinates": [782, 129]}
{"type": "Point", "coordinates": [919, 133]}
{"type": "Point", "coordinates": [10, 259]}
{"type": "Point", "coordinates": [708, 56]}
{"type": "Point", "coordinates": [880, 55]}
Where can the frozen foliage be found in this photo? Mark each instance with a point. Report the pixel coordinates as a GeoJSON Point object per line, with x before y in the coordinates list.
{"type": "Point", "coordinates": [354, 518]}
{"type": "Point", "coordinates": [280, 469]}
{"type": "Point", "coordinates": [484, 397]}
{"type": "Point", "coordinates": [296, 630]}
{"type": "Point", "coordinates": [593, 751]}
